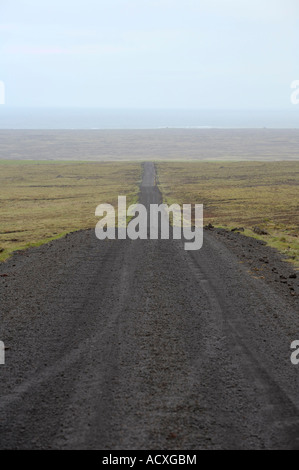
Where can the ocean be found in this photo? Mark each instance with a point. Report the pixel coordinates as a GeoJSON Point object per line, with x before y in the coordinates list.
{"type": "Point", "coordinates": [93, 118]}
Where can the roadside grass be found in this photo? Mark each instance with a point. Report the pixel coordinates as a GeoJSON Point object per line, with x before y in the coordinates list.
{"type": "Point", "coordinates": [40, 201]}
{"type": "Point", "coordinates": [241, 194]}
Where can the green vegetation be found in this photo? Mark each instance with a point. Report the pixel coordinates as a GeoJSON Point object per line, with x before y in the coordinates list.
{"type": "Point", "coordinates": [241, 194]}
{"type": "Point", "coordinates": [42, 201]}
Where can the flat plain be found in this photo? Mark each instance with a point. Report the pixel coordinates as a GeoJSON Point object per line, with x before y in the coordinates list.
{"type": "Point", "coordinates": [158, 144]}
{"type": "Point", "coordinates": [246, 195]}
{"type": "Point", "coordinates": [243, 177]}
{"type": "Point", "coordinates": [41, 201]}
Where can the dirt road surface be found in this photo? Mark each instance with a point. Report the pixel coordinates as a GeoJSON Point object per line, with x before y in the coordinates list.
{"type": "Point", "coordinates": [122, 344]}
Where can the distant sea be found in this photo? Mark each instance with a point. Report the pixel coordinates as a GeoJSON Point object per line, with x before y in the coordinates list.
{"type": "Point", "coordinates": [93, 118]}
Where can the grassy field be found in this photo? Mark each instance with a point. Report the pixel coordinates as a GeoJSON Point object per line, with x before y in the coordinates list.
{"type": "Point", "coordinates": [42, 201]}
{"type": "Point", "coordinates": [241, 194]}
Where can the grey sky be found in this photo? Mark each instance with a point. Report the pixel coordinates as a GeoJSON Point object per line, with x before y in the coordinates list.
{"type": "Point", "coordinates": [149, 53]}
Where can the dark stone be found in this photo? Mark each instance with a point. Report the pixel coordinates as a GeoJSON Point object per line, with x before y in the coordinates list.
{"type": "Point", "coordinates": [259, 231]}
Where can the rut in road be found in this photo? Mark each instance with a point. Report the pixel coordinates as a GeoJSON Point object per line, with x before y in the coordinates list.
{"type": "Point", "coordinates": [126, 344]}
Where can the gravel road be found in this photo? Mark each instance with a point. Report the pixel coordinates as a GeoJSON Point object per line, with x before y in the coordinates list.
{"type": "Point", "coordinates": [126, 344]}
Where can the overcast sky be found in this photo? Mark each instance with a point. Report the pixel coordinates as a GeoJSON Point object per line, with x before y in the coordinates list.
{"type": "Point", "coordinates": [149, 53]}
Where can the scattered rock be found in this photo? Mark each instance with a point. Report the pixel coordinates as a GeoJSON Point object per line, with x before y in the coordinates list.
{"type": "Point", "coordinates": [237, 229]}
{"type": "Point", "coordinates": [259, 231]}
{"type": "Point", "coordinates": [264, 260]}
{"type": "Point", "coordinates": [209, 226]}
{"type": "Point", "coordinates": [293, 276]}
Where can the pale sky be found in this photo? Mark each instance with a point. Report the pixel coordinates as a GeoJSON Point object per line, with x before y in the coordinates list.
{"type": "Point", "coordinates": [149, 53]}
